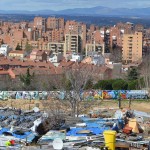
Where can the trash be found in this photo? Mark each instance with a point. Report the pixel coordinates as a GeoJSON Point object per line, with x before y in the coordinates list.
{"type": "Point", "coordinates": [84, 132]}
{"type": "Point", "coordinates": [8, 143]}
{"type": "Point", "coordinates": [12, 142]}
{"type": "Point", "coordinates": [134, 125]}
{"type": "Point", "coordinates": [127, 130]}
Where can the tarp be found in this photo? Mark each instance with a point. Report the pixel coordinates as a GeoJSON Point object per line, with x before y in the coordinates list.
{"type": "Point", "coordinates": [75, 131]}
{"type": "Point", "coordinates": [3, 130]}
{"type": "Point", "coordinates": [51, 135]}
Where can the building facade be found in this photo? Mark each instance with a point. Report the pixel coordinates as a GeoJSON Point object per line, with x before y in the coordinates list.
{"type": "Point", "coordinates": [94, 48]}
{"type": "Point", "coordinates": [132, 47]}
{"type": "Point", "coordinates": [72, 43]}
{"type": "Point", "coordinates": [56, 47]}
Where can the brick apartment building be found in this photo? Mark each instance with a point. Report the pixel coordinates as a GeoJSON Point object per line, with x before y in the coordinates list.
{"type": "Point", "coordinates": [132, 47]}
{"type": "Point", "coordinates": [73, 27]}
{"type": "Point", "coordinates": [40, 23]}
{"type": "Point", "coordinates": [72, 43]}
{"type": "Point", "coordinates": [55, 23]}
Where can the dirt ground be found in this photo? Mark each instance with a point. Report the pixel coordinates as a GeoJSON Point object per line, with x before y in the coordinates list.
{"type": "Point", "coordinates": [136, 105]}
{"type": "Point", "coordinates": [93, 105]}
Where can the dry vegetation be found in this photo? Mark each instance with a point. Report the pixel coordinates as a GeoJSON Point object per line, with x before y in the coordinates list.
{"type": "Point", "coordinates": [56, 105]}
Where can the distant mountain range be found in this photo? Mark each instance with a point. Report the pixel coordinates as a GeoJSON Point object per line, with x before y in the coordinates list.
{"type": "Point", "coordinates": [94, 11]}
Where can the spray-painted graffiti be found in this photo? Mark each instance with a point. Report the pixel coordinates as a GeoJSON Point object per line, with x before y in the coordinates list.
{"type": "Point", "coordinates": [115, 94]}
{"type": "Point", "coordinates": [86, 95]}
{"type": "Point", "coordinates": [92, 95]}
{"type": "Point", "coordinates": [24, 95]}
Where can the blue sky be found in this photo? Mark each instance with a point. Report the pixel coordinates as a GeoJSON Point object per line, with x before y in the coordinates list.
{"type": "Point", "coordinates": [68, 4]}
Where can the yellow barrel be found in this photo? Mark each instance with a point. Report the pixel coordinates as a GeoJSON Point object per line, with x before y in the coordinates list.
{"type": "Point", "coordinates": [110, 139]}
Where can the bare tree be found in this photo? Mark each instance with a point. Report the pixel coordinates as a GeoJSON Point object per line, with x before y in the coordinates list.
{"type": "Point", "coordinates": [72, 83]}
{"type": "Point", "coordinates": [116, 54]}
{"type": "Point", "coordinates": [144, 80]}
{"type": "Point", "coordinates": [42, 83]}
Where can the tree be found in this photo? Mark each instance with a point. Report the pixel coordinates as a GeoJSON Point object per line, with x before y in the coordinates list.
{"type": "Point", "coordinates": [132, 85]}
{"type": "Point", "coordinates": [72, 83]}
{"type": "Point", "coordinates": [133, 74]}
{"type": "Point", "coordinates": [120, 85]}
{"type": "Point", "coordinates": [18, 47]}
{"type": "Point", "coordinates": [104, 85]}
{"type": "Point", "coordinates": [116, 54]}
{"type": "Point", "coordinates": [5, 83]}
{"type": "Point", "coordinates": [28, 48]}
{"type": "Point", "coordinates": [89, 85]}
{"type": "Point", "coordinates": [26, 79]}
{"type": "Point", "coordinates": [144, 80]}
{"type": "Point", "coordinates": [43, 83]}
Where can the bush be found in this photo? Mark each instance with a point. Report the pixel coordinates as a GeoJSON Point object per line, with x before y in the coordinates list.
{"type": "Point", "coordinates": [120, 85]}
{"type": "Point", "coordinates": [132, 85]}
{"type": "Point", "coordinates": [103, 85]}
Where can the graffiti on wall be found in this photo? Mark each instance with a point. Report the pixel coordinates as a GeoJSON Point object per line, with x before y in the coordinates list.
{"type": "Point", "coordinates": [24, 95]}
{"type": "Point", "coordinates": [92, 95]}
{"type": "Point", "coordinates": [115, 94]}
{"type": "Point", "coordinates": [86, 95]}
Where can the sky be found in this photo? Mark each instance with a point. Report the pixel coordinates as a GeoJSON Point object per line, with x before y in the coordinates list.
{"type": "Point", "coordinates": [32, 5]}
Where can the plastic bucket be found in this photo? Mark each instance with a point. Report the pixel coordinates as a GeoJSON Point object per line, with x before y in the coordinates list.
{"type": "Point", "coordinates": [110, 139]}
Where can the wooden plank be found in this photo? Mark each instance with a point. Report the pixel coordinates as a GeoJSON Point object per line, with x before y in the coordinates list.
{"type": "Point", "coordinates": [122, 145]}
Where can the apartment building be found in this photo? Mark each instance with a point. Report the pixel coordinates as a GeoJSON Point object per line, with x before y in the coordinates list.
{"type": "Point", "coordinates": [115, 37]}
{"type": "Point", "coordinates": [56, 47]}
{"type": "Point", "coordinates": [128, 27]}
{"type": "Point", "coordinates": [55, 23]}
{"type": "Point", "coordinates": [40, 23]}
{"type": "Point", "coordinates": [132, 47]}
{"type": "Point", "coordinates": [94, 48]}
{"type": "Point", "coordinates": [55, 35]}
{"type": "Point", "coordinates": [139, 28]}
{"type": "Point", "coordinates": [73, 27]}
{"type": "Point", "coordinates": [72, 43]}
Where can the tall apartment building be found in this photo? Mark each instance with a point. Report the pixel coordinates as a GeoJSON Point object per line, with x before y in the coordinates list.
{"type": "Point", "coordinates": [132, 47]}
{"type": "Point", "coordinates": [139, 28]}
{"type": "Point", "coordinates": [56, 47]}
{"type": "Point", "coordinates": [107, 40]}
{"type": "Point", "coordinates": [92, 28]}
{"type": "Point", "coordinates": [73, 27]}
{"type": "Point", "coordinates": [40, 23]}
{"type": "Point", "coordinates": [36, 34]}
{"type": "Point", "coordinates": [55, 35]}
{"type": "Point", "coordinates": [115, 37]}
{"type": "Point", "coordinates": [72, 43]}
{"type": "Point", "coordinates": [55, 23]}
{"type": "Point", "coordinates": [99, 48]}
{"type": "Point", "coordinates": [128, 27]}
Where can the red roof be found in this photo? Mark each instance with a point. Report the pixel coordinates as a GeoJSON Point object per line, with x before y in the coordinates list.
{"type": "Point", "coordinates": [2, 72]}
{"type": "Point", "coordinates": [66, 63]}
{"type": "Point", "coordinates": [16, 62]}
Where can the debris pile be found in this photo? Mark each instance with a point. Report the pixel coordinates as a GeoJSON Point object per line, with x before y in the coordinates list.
{"type": "Point", "coordinates": [99, 130]}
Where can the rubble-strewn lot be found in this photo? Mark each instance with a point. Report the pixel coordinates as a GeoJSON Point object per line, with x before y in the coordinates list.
{"type": "Point", "coordinates": [131, 126]}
